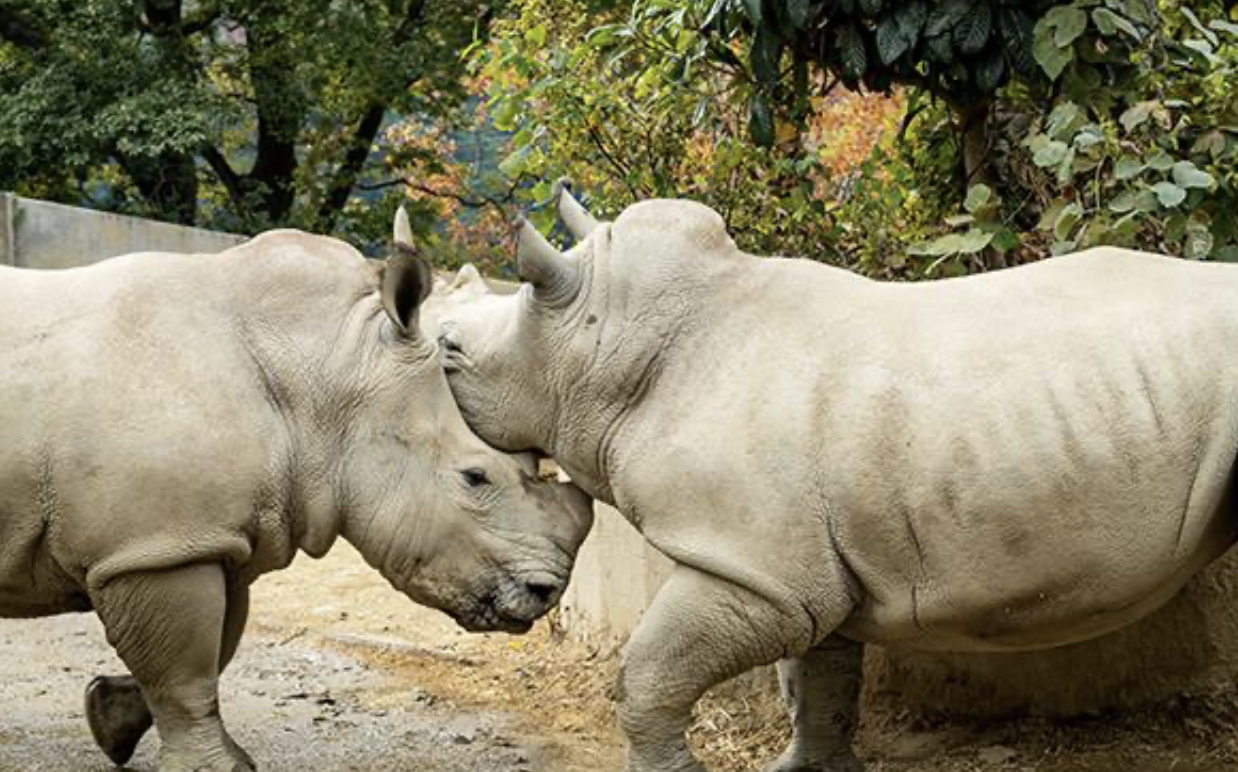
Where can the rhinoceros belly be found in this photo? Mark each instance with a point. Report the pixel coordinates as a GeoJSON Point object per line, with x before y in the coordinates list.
{"type": "Point", "coordinates": [1043, 487]}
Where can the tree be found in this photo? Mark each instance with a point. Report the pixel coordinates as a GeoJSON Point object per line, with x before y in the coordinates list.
{"type": "Point", "coordinates": [240, 114]}
{"type": "Point", "coordinates": [959, 51]}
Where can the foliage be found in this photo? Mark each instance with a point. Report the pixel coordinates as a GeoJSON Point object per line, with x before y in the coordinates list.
{"type": "Point", "coordinates": [234, 114]}
{"type": "Point", "coordinates": [980, 228]}
{"type": "Point", "coordinates": [1140, 148]}
{"type": "Point", "coordinates": [959, 50]}
{"type": "Point", "coordinates": [629, 122]}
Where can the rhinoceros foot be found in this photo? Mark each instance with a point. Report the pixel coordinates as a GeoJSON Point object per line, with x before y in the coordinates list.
{"type": "Point", "coordinates": [793, 762]}
{"type": "Point", "coordinates": [118, 716]}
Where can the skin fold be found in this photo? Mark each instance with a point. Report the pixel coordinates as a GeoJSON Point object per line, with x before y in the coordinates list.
{"type": "Point", "coordinates": [175, 426]}
{"type": "Point", "coordinates": [1001, 462]}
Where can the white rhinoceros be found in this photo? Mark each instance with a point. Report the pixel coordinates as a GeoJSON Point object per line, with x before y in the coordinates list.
{"type": "Point", "coordinates": [174, 426]}
{"type": "Point", "coordinates": [996, 463]}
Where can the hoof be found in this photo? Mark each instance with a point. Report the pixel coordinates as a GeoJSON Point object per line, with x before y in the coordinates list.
{"type": "Point", "coordinates": [118, 716]}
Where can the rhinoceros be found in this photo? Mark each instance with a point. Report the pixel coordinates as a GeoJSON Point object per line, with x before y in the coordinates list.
{"type": "Point", "coordinates": [174, 426]}
{"type": "Point", "coordinates": [1002, 462]}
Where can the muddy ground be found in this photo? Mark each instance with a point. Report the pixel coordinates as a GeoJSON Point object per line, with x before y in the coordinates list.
{"type": "Point", "coordinates": [338, 672]}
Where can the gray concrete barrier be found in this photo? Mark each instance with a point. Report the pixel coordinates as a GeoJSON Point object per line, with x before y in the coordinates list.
{"type": "Point", "coordinates": [40, 234]}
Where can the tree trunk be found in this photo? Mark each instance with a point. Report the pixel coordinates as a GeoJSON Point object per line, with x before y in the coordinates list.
{"type": "Point", "coordinates": [972, 124]}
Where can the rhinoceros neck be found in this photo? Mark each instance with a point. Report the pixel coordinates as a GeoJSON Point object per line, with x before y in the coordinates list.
{"type": "Point", "coordinates": [642, 330]}
{"type": "Point", "coordinates": [305, 345]}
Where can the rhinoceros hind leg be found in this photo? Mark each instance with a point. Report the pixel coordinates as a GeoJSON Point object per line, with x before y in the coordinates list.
{"type": "Point", "coordinates": [118, 716]}
{"type": "Point", "coordinates": [822, 692]}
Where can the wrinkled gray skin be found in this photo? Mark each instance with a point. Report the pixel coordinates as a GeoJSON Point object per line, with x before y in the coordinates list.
{"type": "Point", "coordinates": [996, 463]}
{"type": "Point", "coordinates": [175, 426]}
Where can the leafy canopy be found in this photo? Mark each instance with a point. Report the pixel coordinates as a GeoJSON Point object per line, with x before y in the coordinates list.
{"type": "Point", "coordinates": [237, 114]}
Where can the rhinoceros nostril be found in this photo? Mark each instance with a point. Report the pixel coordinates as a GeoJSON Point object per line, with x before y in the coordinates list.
{"type": "Point", "coordinates": [541, 590]}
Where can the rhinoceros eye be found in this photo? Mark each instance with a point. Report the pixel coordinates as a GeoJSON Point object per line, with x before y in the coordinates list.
{"type": "Point", "coordinates": [475, 478]}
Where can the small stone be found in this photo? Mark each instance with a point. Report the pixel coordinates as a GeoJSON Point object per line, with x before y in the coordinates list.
{"type": "Point", "coordinates": [996, 754]}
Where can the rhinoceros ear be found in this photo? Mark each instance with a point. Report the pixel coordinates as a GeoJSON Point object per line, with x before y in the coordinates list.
{"type": "Point", "coordinates": [578, 221]}
{"type": "Point", "coordinates": [406, 283]}
{"type": "Point", "coordinates": [555, 278]}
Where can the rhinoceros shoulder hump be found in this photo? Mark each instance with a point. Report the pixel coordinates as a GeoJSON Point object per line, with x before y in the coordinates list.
{"type": "Point", "coordinates": [689, 220]}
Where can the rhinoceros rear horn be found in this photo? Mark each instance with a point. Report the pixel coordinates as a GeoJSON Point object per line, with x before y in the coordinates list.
{"type": "Point", "coordinates": [406, 283]}
{"type": "Point", "coordinates": [578, 221]}
{"type": "Point", "coordinates": [554, 277]}
{"type": "Point", "coordinates": [402, 231]}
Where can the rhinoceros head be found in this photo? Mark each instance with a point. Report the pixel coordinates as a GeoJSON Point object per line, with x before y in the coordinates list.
{"type": "Point", "coordinates": [447, 519]}
{"type": "Point", "coordinates": [554, 366]}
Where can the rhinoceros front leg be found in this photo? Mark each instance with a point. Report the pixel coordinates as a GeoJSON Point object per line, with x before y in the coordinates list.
{"type": "Point", "coordinates": [116, 710]}
{"type": "Point", "coordinates": [168, 628]}
{"type": "Point", "coordinates": [700, 631]}
{"type": "Point", "coordinates": [822, 692]}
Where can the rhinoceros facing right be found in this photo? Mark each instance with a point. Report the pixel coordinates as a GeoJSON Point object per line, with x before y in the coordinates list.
{"type": "Point", "coordinates": [1001, 462]}
{"type": "Point", "coordinates": [174, 426]}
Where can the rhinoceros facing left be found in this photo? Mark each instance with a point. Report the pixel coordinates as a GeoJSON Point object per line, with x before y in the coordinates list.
{"type": "Point", "coordinates": [1001, 462]}
{"type": "Point", "coordinates": [174, 426]}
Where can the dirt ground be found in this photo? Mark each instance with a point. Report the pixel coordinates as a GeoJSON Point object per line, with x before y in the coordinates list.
{"type": "Point", "coordinates": [339, 672]}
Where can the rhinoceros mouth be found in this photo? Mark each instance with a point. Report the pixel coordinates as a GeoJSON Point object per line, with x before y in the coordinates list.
{"type": "Point", "coordinates": [486, 617]}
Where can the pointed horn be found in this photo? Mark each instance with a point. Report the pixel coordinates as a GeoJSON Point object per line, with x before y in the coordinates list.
{"type": "Point", "coordinates": [402, 232]}
{"type": "Point", "coordinates": [578, 221]}
{"type": "Point", "coordinates": [552, 275]}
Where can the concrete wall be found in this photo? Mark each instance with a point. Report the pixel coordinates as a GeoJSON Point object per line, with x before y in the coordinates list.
{"type": "Point", "coordinates": [1190, 647]}
{"type": "Point", "coordinates": [39, 234]}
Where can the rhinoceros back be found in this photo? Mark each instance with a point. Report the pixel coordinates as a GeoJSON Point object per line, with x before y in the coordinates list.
{"type": "Point", "coordinates": [135, 431]}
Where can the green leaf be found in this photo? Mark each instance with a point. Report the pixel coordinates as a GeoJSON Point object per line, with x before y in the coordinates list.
{"type": "Point", "coordinates": [1064, 118]}
{"type": "Point", "coordinates": [766, 55]}
{"type": "Point", "coordinates": [1204, 49]}
{"type": "Point", "coordinates": [1069, 23]}
{"type": "Point", "coordinates": [946, 15]}
{"type": "Point", "coordinates": [1221, 25]}
{"type": "Point", "coordinates": [1161, 161]}
{"type": "Point", "coordinates": [1109, 23]}
{"type": "Point", "coordinates": [1227, 254]}
{"type": "Point", "coordinates": [851, 52]}
{"type": "Point", "coordinates": [1169, 194]}
{"type": "Point", "coordinates": [1067, 219]}
{"type": "Point", "coordinates": [1051, 58]}
{"type": "Point", "coordinates": [978, 197]}
{"type": "Point", "coordinates": [892, 41]}
{"type": "Point", "coordinates": [940, 49]}
{"type": "Point", "coordinates": [1212, 143]}
{"type": "Point", "coordinates": [760, 121]}
{"type": "Point", "coordinates": [1018, 31]}
{"type": "Point", "coordinates": [1208, 34]}
{"type": "Point", "coordinates": [911, 18]}
{"type": "Point", "coordinates": [1186, 175]}
{"type": "Point", "coordinates": [1128, 168]}
{"type": "Point", "coordinates": [972, 31]}
{"type": "Point", "coordinates": [1005, 240]}
{"type": "Point", "coordinates": [1125, 202]}
{"type": "Point", "coordinates": [1052, 154]}
{"type": "Point", "coordinates": [535, 36]}
{"type": "Point", "coordinates": [1138, 114]}
{"type": "Point", "coordinates": [974, 241]}
{"type": "Point", "coordinates": [799, 12]}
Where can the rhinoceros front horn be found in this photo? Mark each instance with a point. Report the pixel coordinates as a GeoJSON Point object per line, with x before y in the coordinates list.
{"type": "Point", "coordinates": [554, 276]}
